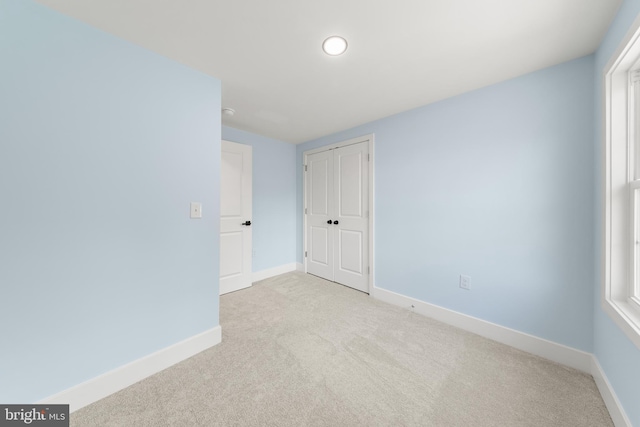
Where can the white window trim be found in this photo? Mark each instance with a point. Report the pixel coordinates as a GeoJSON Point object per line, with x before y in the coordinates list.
{"type": "Point", "coordinates": [620, 247]}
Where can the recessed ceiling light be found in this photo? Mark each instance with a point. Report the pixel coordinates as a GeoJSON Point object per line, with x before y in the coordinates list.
{"type": "Point", "coordinates": [228, 112]}
{"type": "Point", "coordinates": [334, 45]}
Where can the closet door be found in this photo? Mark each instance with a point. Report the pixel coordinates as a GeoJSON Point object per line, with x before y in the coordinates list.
{"type": "Point", "coordinates": [350, 217]}
{"type": "Point", "coordinates": [319, 211]}
{"type": "Point", "coordinates": [337, 218]}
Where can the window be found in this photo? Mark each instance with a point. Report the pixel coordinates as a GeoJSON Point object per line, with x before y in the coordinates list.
{"type": "Point", "coordinates": [633, 115]}
{"type": "Point", "coordinates": [621, 284]}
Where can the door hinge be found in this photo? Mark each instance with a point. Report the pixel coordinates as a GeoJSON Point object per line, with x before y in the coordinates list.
{"type": "Point", "coordinates": [305, 210]}
{"type": "Point", "coordinates": [368, 157]}
{"type": "Point", "coordinates": [305, 254]}
{"type": "Point", "coordinates": [305, 168]}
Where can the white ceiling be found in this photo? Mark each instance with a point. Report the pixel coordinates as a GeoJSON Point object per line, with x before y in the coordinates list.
{"type": "Point", "coordinates": [402, 53]}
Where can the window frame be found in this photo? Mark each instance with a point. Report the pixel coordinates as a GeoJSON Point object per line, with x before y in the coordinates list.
{"type": "Point", "coordinates": [621, 228]}
{"type": "Point", "coordinates": [633, 141]}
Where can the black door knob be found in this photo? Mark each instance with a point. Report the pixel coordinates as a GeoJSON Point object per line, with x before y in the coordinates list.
{"type": "Point", "coordinates": [329, 222]}
{"type": "Point", "coordinates": [247, 223]}
{"type": "Point", "coordinates": [335, 222]}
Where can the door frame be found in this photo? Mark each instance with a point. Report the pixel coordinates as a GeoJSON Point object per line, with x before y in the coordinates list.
{"type": "Point", "coordinates": [371, 255]}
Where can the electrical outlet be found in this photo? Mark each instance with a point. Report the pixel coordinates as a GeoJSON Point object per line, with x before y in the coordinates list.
{"type": "Point", "coordinates": [465, 282]}
{"type": "Point", "coordinates": [196, 210]}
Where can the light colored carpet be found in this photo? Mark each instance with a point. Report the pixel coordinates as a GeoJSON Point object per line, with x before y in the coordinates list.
{"type": "Point", "coordinates": [300, 351]}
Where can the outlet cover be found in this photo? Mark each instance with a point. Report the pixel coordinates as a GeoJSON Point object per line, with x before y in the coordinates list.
{"type": "Point", "coordinates": [196, 210]}
{"type": "Point", "coordinates": [465, 282]}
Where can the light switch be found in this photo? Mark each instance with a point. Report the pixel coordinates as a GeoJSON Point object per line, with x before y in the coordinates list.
{"type": "Point", "coordinates": [196, 210]}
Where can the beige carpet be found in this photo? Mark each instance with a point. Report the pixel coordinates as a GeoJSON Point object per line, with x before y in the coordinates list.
{"type": "Point", "coordinates": [300, 351]}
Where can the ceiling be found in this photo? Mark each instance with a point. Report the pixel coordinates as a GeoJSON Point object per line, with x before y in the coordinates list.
{"type": "Point", "coordinates": [402, 54]}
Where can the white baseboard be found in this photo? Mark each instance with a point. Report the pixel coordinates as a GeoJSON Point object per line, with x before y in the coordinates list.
{"type": "Point", "coordinates": [275, 271]}
{"type": "Point", "coordinates": [300, 267]}
{"type": "Point", "coordinates": [103, 385]}
{"type": "Point", "coordinates": [618, 415]}
{"type": "Point", "coordinates": [559, 353]}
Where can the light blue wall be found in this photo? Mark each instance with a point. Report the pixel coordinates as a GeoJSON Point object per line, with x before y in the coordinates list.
{"type": "Point", "coordinates": [618, 356]}
{"type": "Point", "coordinates": [102, 147]}
{"type": "Point", "coordinates": [274, 198]}
{"type": "Point", "coordinates": [104, 144]}
{"type": "Point", "coordinates": [495, 184]}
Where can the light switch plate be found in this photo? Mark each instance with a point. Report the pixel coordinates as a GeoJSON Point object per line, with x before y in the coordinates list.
{"type": "Point", "coordinates": [196, 210]}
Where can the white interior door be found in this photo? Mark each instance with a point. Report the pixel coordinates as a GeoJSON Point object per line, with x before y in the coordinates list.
{"type": "Point", "coordinates": [235, 216]}
{"type": "Point", "coordinates": [319, 213]}
{"type": "Point", "coordinates": [337, 217]}
{"type": "Point", "coordinates": [350, 218]}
